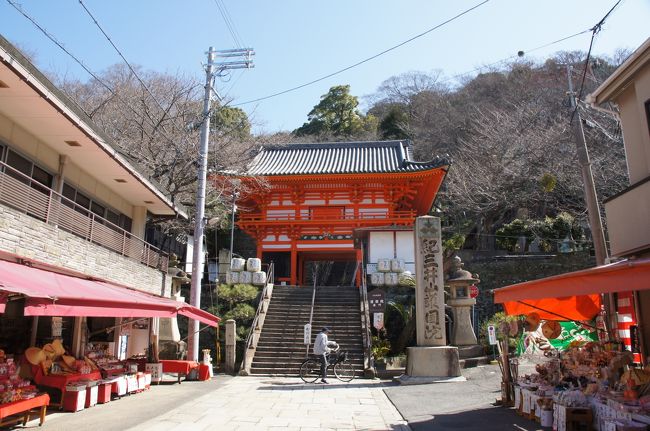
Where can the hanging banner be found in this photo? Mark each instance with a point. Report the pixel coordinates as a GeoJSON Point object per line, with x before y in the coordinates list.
{"type": "Point", "coordinates": [307, 334]}
{"type": "Point", "coordinates": [536, 342]}
{"type": "Point", "coordinates": [376, 301]}
{"type": "Point", "coordinates": [378, 320]}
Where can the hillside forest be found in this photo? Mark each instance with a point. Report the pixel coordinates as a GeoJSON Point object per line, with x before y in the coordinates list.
{"type": "Point", "coordinates": [507, 130]}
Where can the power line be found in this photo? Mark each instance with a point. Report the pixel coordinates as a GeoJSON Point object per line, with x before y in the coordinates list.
{"type": "Point", "coordinates": [594, 30]}
{"type": "Point", "coordinates": [229, 23]}
{"type": "Point", "coordinates": [512, 57]}
{"type": "Point", "coordinates": [88, 70]}
{"type": "Point", "coordinates": [121, 55]}
{"type": "Point", "coordinates": [366, 59]}
{"type": "Point", "coordinates": [60, 45]}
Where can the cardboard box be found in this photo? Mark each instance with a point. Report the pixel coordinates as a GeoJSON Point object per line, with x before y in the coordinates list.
{"type": "Point", "coordinates": [579, 419]}
{"type": "Point", "coordinates": [119, 386]}
{"type": "Point", "coordinates": [104, 392]}
{"type": "Point", "coordinates": [74, 398]}
{"type": "Point", "coordinates": [91, 394]}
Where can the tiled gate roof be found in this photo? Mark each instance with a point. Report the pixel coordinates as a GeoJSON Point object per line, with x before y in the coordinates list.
{"type": "Point", "coordinates": [339, 158]}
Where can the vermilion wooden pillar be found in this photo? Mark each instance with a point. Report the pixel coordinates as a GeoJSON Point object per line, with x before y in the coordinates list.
{"type": "Point", "coordinates": [360, 270]}
{"type": "Point", "coordinates": [294, 265]}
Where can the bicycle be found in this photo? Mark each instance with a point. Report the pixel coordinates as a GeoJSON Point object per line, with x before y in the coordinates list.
{"type": "Point", "coordinates": [338, 361]}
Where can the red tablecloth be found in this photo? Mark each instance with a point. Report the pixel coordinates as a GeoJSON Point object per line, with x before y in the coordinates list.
{"type": "Point", "coordinates": [204, 372]}
{"type": "Point", "coordinates": [180, 367]}
{"type": "Point", "coordinates": [23, 405]}
{"type": "Point", "coordinates": [60, 381]}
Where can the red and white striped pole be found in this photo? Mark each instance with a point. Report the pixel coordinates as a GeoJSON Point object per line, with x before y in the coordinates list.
{"type": "Point", "coordinates": [626, 317]}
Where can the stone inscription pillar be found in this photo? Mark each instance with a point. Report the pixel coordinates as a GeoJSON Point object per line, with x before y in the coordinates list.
{"type": "Point", "coordinates": [431, 360]}
{"type": "Point", "coordinates": [430, 292]}
{"type": "Point", "coordinates": [231, 345]}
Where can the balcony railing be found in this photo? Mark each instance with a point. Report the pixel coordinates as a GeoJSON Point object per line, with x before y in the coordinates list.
{"type": "Point", "coordinates": [335, 217]}
{"type": "Point", "coordinates": [27, 195]}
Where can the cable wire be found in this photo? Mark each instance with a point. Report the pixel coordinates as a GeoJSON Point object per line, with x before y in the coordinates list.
{"type": "Point", "coordinates": [366, 59]}
{"type": "Point", "coordinates": [514, 56]}
{"type": "Point", "coordinates": [121, 56]}
{"type": "Point", "coordinates": [594, 31]}
{"type": "Point", "coordinates": [60, 45]}
{"type": "Point", "coordinates": [87, 69]}
{"type": "Point", "coordinates": [229, 23]}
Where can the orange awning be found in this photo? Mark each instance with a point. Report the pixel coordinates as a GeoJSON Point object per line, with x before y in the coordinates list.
{"type": "Point", "coordinates": [574, 295]}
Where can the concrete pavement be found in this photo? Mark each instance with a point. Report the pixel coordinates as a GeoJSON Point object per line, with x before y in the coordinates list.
{"type": "Point", "coordinates": [467, 405]}
{"type": "Point", "coordinates": [240, 403]}
{"type": "Point", "coordinates": [278, 403]}
{"type": "Point", "coordinates": [287, 404]}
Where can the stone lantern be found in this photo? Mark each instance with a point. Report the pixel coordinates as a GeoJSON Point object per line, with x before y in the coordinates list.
{"type": "Point", "coordinates": [461, 302]}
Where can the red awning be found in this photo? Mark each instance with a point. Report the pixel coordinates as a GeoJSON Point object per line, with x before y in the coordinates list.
{"type": "Point", "coordinates": [574, 295]}
{"type": "Point", "coordinates": [52, 294]}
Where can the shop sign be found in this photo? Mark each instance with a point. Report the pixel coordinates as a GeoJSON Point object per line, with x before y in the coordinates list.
{"type": "Point", "coordinates": [307, 334]}
{"type": "Point", "coordinates": [378, 320]}
{"type": "Point", "coordinates": [376, 301]}
{"type": "Point", "coordinates": [492, 335]}
{"type": "Point", "coordinates": [57, 326]}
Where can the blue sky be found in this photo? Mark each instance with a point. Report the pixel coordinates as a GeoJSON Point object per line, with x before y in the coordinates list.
{"type": "Point", "coordinates": [299, 41]}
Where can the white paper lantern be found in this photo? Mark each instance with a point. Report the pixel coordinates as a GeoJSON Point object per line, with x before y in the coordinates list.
{"type": "Point", "coordinates": [397, 265]}
{"type": "Point", "coordinates": [237, 264]}
{"type": "Point", "coordinates": [377, 278]}
{"type": "Point", "coordinates": [259, 278]}
{"type": "Point", "coordinates": [253, 264]}
{"type": "Point", "coordinates": [391, 278]}
{"type": "Point", "coordinates": [245, 277]}
{"type": "Point", "coordinates": [383, 265]}
{"type": "Point", "coordinates": [232, 277]}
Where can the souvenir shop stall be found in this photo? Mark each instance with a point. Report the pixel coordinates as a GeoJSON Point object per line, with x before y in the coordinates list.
{"type": "Point", "coordinates": [600, 382]}
{"type": "Point", "coordinates": [68, 351]}
{"type": "Point", "coordinates": [590, 385]}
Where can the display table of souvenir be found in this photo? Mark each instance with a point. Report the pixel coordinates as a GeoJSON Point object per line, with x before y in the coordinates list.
{"type": "Point", "coordinates": [67, 383]}
{"type": "Point", "coordinates": [181, 368]}
{"type": "Point", "coordinates": [18, 397]}
{"type": "Point", "coordinates": [22, 409]}
{"type": "Point", "coordinates": [590, 386]}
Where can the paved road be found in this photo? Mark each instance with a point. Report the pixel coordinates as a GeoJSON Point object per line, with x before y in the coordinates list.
{"type": "Point", "coordinates": [458, 406]}
{"type": "Point", "coordinates": [131, 410]}
{"type": "Point", "coordinates": [240, 403]}
{"type": "Point", "coordinates": [287, 404]}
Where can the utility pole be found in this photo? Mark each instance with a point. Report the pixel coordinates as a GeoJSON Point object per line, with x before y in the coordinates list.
{"type": "Point", "coordinates": [199, 218]}
{"type": "Point", "coordinates": [593, 209]}
{"type": "Point", "coordinates": [591, 200]}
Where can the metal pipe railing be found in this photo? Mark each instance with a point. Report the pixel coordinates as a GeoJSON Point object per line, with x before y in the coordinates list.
{"type": "Point", "coordinates": [250, 339]}
{"type": "Point", "coordinates": [313, 301]}
{"type": "Point", "coordinates": [27, 195]}
{"type": "Point", "coordinates": [365, 317]}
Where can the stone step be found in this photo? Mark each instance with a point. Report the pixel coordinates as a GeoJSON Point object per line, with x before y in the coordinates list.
{"type": "Point", "coordinates": [280, 349]}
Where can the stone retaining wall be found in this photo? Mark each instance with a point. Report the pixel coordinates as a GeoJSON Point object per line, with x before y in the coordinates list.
{"type": "Point", "coordinates": [31, 238]}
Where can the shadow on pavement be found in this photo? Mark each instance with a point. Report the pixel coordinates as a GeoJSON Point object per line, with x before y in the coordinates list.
{"type": "Point", "coordinates": [293, 386]}
{"type": "Point", "coordinates": [486, 419]}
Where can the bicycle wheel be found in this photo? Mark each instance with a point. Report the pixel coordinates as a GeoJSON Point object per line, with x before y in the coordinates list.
{"type": "Point", "coordinates": [309, 371]}
{"type": "Point", "coordinates": [344, 371]}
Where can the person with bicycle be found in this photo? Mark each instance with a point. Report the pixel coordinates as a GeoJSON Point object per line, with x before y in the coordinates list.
{"type": "Point", "coordinates": [322, 348]}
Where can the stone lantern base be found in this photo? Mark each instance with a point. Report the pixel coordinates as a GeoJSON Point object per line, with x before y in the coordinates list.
{"type": "Point", "coordinates": [431, 365]}
{"type": "Point", "coordinates": [439, 361]}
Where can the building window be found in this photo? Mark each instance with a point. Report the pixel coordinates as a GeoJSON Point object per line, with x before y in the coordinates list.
{"type": "Point", "coordinates": [85, 203]}
{"type": "Point", "coordinates": [42, 179]}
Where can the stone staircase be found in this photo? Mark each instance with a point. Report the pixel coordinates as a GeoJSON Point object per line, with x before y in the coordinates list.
{"type": "Point", "coordinates": [281, 349]}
